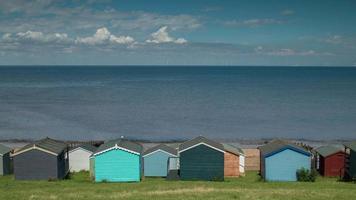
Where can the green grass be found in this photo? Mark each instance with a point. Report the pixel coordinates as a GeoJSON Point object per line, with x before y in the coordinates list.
{"type": "Point", "coordinates": [248, 187]}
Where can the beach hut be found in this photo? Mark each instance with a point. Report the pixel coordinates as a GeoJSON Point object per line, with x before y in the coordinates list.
{"type": "Point", "coordinates": [281, 160]}
{"type": "Point", "coordinates": [350, 161]}
{"type": "Point", "coordinates": [201, 159]}
{"type": "Point", "coordinates": [156, 159]}
{"type": "Point", "coordinates": [79, 157]}
{"type": "Point", "coordinates": [330, 161]}
{"type": "Point", "coordinates": [118, 161]}
{"type": "Point", "coordinates": [44, 159]}
{"type": "Point", "coordinates": [5, 161]}
{"type": "Point", "coordinates": [92, 166]}
{"type": "Point", "coordinates": [234, 161]}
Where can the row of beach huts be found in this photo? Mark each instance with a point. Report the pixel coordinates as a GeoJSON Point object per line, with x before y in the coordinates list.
{"type": "Point", "coordinates": [123, 160]}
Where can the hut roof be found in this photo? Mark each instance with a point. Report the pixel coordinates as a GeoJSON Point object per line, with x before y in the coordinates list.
{"type": "Point", "coordinates": [351, 145]}
{"type": "Point", "coordinates": [198, 140]}
{"type": "Point", "coordinates": [276, 145]}
{"type": "Point", "coordinates": [162, 147]}
{"type": "Point", "coordinates": [233, 149]}
{"type": "Point", "coordinates": [124, 144]}
{"type": "Point", "coordinates": [47, 144]}
{"type": "Point", "coordinates": [328, 150]}
{"type": "Point", "coordinates": [4, 149]}
{"type": "Point", "coordinates": [87, 147]}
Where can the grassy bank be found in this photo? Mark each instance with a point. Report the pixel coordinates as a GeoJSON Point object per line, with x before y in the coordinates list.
{"type": "Point", "coordinates": [248, 187]}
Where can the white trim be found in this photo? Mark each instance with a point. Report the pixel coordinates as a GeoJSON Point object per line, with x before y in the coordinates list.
{"type": "Point", "coordinates": [157, 151]}
{"type": "Point", "coordinates": [116, 147]}
{"type": "Point", "coordinates": [80, 148]}
{"type": "Point", "coordinates": [34, 147]}
{"type": "Point", "coordinates": [201, 143]}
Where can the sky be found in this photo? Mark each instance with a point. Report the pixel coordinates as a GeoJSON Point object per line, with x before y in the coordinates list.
{"type": "Point", "coordinates": [178, 32]}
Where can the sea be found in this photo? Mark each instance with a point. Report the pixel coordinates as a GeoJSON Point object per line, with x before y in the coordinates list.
{"type": "Point", "coordinates": [177, 102]}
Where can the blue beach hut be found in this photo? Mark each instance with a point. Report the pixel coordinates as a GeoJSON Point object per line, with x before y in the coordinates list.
{"type": "Point", "coordinates": [118, 161]}
{"type": "Point", "coordinates": [281, 160]}
{"type": "Point", "coordinates": [156, 160]}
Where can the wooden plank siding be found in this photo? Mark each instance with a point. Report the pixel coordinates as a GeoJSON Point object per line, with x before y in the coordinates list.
{"type": "Point", "coordinates": [283, 165]}
{"type": "Point", "coordinates": [231, 165]}
{"type": "Point", "coordinates": [156, 164]}
{"type": "Point", "coordinates": [79, 160]}
{"type": "Point", "coordinates": [252, 159]}
{"type": "Point", "coordinates": [202, 163]}
{"type": "Point", "coordinates": [352, 160]}
{"type": "Point", "coordinates": [333, 165]}
{"type": "Point", "coordinates": [117, 165]}
{"type": "Point", "coordinates": [38, 165]}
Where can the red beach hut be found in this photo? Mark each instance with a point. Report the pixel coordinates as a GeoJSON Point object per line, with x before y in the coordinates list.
{"type": "Point", "coordinates": [330, 161]}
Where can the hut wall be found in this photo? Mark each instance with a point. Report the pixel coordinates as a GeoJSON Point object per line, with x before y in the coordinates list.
{"type": "Point", "coordinates": [242, 164]}
{"type": "Point", "coordinates": [231, 165]}
{"type": "Point", "coordinates": [156, 164]}
{"type": "Point", "coordinates": [283, 165]}
{"type": "Point", "coordinates": [117, 166]}
{"type": "Point", "coordinates": [202, 163]}
{"type": "Point", "coordinates": [1, 165]}
{"type": "Point", "coordinates": [79, 160]}
{"type": "Point", "coordinates": [334, 165]}
{"type": "Point", "coordinates": [35, 165]}
{"type": "Point", "coordinates": [353, 164]}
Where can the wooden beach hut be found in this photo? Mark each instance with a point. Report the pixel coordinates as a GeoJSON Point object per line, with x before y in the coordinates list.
{"type": "Point", "coordinates": [201, 159]}
{"type": "Point", "coordinates": [5, 161]}
{"type": "Point", "coordinates": [118, 161]}
{"type": "Point", "coordinates": [156, 160]}
{"type": "Point", "coordinates": [350, 160]}
{"type": "Point", "coordinates": [41, 160]}
{"type": "Point", "coordinates": [281, 160]}
{"type": "Point", "coordinates": [330, 161]}
{"type": "Point", "coordinates": [79, 157]}
{"type": "Point", "coordinates": [233, 161]}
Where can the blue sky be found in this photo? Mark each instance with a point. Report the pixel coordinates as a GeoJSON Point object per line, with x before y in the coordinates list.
{"type": "Point", "coordinates": [178, 32]}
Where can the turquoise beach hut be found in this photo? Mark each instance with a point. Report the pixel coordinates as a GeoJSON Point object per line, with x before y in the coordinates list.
{"type": "Point", "coordinates": [156, 160]}
{"type": "Point", "coordinates": [118, 161]}
{"type": "Point", "coordinates": [281, 160]}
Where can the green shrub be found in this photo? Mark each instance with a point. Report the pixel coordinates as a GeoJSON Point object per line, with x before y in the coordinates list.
{"type": "Point", "coordinates": [306, 175]}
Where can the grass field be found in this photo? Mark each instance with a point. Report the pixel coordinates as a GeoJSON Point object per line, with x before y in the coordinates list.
{"type": "Point", "coordinates": [79, 186]}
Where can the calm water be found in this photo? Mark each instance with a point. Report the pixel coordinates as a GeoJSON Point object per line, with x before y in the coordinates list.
{"type": "Point", "coordinates": [177, 102]}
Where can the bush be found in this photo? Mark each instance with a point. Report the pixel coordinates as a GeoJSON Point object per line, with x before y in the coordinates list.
{"type": "Point", "coordinates": [305, 175]}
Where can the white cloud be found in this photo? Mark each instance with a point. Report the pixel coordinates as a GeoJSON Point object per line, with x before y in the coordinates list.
{"type": "Point", "coordinates": [103, 36]}
{"type": "Point", "coordinates": [83, 17]}
{"type": "Point", "coordinates": [334, 39]}
{"type": "Point", "coordinates": [292, 52]}
{"type": "Point", "coordinates": [36, 36]}
{"type": "Point", "coordinates": [212, 9]}
{"type": "Point", "coordinates": [288, 12]}
{"type": "Point", "coordinates": [24, 6]}
{"type": "Point", "coordinates": [181, 41]}
{"type": "Point", "coordinates": [162, 36]}
{"type": "Point", "coordinates": [259, 49]}
{"type": "Point", "coordinates": [252, 22]}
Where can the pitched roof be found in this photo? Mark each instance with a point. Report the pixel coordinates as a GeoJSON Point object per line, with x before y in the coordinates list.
{"type": "Point", "coordinates": [4, 149]}
{"type": "Point", "coordinates": [351, 145]}
{"type": "Point", "coordinates": [162, 147]}
{"type": "Point", "coordinates": [87, 147]}
{"type": "Point", "coordinates": [233, 149]}
{"type": "Point", "coordinates": [48, 144]}
{"type": "Point", "coordinates": [122, 143]}
{"type": "Point", "coordinates": [276, 145]}
{"type": "Point", "coordinates": [328, 150]}
{"type": "Point", "coordinates": [190, 143]}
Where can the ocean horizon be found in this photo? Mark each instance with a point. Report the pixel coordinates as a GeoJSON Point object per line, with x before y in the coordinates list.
{"type": "Point", "coordinates": [177, 102]}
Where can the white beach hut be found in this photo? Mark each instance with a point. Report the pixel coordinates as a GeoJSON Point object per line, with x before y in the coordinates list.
{"type": "Point", "coordinates": [79, 157]}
